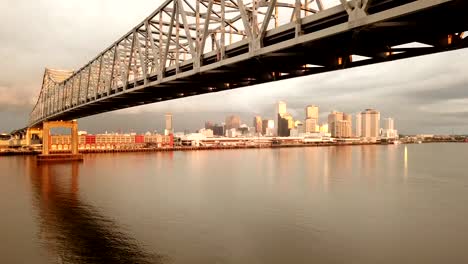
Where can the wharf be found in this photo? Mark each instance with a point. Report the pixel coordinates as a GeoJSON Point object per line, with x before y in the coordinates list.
{"type": "Point", "coordinates": [59, 158]}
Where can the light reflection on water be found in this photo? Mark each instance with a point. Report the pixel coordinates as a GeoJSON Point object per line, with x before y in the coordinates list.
{"type": "Point", "coordinates": [73, 230]}
{"type": "Point", "coordinates": [357, 204]}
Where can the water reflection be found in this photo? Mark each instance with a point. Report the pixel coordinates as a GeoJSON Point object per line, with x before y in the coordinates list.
{"type": "Point", "coordinates": [74, 231]}
{"type": "Point", "coordinates": [406, 162]}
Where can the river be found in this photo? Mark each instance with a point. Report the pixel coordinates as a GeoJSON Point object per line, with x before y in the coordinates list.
{"type": "Point", "coordinates": [344, 204]}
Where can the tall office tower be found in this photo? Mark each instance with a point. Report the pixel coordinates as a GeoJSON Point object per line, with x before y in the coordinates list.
{"type": "Point", "coordinates": [281, 108]}
{"type": "Point", "coordinates": [311, 120]}
{"type": "Point", "coordinates": [312, 111]}
{"type": "Point", "coordinates": [389, 123]}
{"type": "Point", "coordinates": [333, 118]}
{"type": "Point", "coordinates": [232, 122]}
{"type": "Point", "coordinates": [370, 124]}
{"type": "Point", "coordinates": [349, 127]}
{"type": "Point", "coordinates": [169, 129]}
{"type": "Point", "coordinates": [257, 124]}
{"type": "Point", "coordinates": [358, 125]}
{"type": "Point", "coordinates": [389, 131]}
{"type": "Point", "coordinates": [218, 130]}
{"type": "Point", "coordinates": [343, 129]}
{"type": "Point", "coordinates": [208, 125]}
{"type": "Point", "coordinates": [290, 119]}
{"type": "Point", "coordinates": [310, 125]}
{"type": "Point", "coordinates": [284, 120]}
{"type": "Point", "coordinates": [269, 127]}
{"type": "Point", "coordinates": [283, 126]}
{"type": "Point", "coordinates": [323, 128]}
{"type": "Point", "coordinates": [264, 126]}
{"type": "Point", "coordinates": [340, 124]}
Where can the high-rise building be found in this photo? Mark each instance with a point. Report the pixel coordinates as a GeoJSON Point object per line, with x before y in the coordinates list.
{"type": "Point", "coordinates": [347, 117]}
{"type": "Point", "coordinates": [343, 129]}
{"type": "Point", "coordinates": [389, 131]}
{"type": "Point", "coordinates": [310, 125]}
{"type": "Point", "coordinates": [340, 124]}
{"type": "Point", "coordinates": [370, 124]}
{"type": "Point", "coordinates": [280, 112]}
{"type": "Point", "coordinates": [312, 111]}
{"type": "Point", "coordinates": [233, 122]}
{"type": "Point", "coordinates": [311, 120]}
{"type": "Point", "coordinates": [334, 117]}
{"type": "Point", "coordinates": [218, 130]}
{"type": "Point", "coordinates": [258, 125]}
{"type": "Point", "coordinates": [358, 125]}
{"type": "Point", "coordinates": [169, 128]}
{"type": "Point", "coordinates": [209, 125]}
{"type": "Point", "coordinates": [388, 123]}
{"type": "Point", "coordinates": [264, 126]}
{"type": "Point", "coordinates": [281, 108]}
{"type": "Point", "coordinates": [323, 128]}
{"type": "Point", "coordinates": [269, 127]}
{"type": "Point", "coordinates": [283, 126]}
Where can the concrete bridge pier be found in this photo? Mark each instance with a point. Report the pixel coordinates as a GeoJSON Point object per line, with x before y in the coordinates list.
{"type": "Point", "coordinates": [46, 156]}
{"type": "Point", "coordinates": [30, 132]}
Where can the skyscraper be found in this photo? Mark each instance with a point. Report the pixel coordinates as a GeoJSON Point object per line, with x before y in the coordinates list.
{"type": "Point", "coordinates": [358, 125]}
{"type": "Point", "coordinates": [388, 123]}
{"type": "Point", "coordinates": [310, 125]}
{"type": "Point", "coordinates": [311, 121]}
{"type": "Point", "coordinates": [264, 126]}
{"type": "Point", "coordinates": [340, 124]}
{"type": "Point", "coordinates": [370, 124]}
{"type": "Point", "coordinates": [283, 126]}
{"type": "Point", "coordinates": [285, 120]}
{"type": "Point", "coordinates": [334, 117]}
{"type": "Point", "coordinates": [343, 129]}
{"type": "Point", "coordinates": [257, 123]}
{"type": "Point", "coordinates": [169, 129]}
{"type": "Point", "coordinates": [281, 108]}
{"type": "Point", "coordinates": [389, 131]}
{"type": "Point", "coordinates": [232, 122]}
{"type": "Point", "coordinates": [312, 111]}
{"type": "Point", "coordinates": [218, 130]}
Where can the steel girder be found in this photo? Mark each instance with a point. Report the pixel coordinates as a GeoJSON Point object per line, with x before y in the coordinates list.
{"type": "Point", "coordinates": [186, 37]}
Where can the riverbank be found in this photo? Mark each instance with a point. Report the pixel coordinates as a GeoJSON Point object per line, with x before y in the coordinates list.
{"type": "Point", "coordinates": [199, 148]}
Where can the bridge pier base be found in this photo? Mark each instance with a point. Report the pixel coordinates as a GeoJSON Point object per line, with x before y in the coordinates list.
{"type": "Point", "coordinates": [46, 156]}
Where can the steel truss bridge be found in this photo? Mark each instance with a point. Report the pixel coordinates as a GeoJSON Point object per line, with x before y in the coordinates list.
{"type": "Point", "coordinates": [191, 47]}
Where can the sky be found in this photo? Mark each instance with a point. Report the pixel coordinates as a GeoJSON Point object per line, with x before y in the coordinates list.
{"type": "Point", "coordinates": [424, 95]}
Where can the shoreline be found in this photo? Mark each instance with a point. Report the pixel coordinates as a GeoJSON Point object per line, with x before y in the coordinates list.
{"type": "Point", "coordinates": [195, 148]}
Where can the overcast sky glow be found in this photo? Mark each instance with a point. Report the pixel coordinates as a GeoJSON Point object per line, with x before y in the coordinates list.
{"type": "Point", "coordinates": [425, 95]}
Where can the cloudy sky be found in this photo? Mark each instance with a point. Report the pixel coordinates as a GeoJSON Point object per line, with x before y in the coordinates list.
{"type": "Point", "coordinates": [425, 95]}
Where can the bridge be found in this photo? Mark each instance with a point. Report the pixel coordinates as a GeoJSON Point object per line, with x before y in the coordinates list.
{"type": "Point", "coordinates": [191, 47]}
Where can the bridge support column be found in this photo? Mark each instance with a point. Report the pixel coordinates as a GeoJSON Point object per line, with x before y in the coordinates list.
{"type": "Point", "coordinates": [46, 142]}
{"type": "Point", "coordinates": [45, 138]}
{"type": "Point", "coordinates": [74, 138]}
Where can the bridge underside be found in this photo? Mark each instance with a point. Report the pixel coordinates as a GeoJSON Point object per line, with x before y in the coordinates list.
{"type": "Point", "coordinates": [325, 43]}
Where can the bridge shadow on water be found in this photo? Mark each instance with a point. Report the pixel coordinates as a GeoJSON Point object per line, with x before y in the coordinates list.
{"type": "Point", "coordinates": [74, 231]}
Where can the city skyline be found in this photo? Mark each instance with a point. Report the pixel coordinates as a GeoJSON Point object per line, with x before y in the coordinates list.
{"type": "Point", "coordinates": [338, 124]}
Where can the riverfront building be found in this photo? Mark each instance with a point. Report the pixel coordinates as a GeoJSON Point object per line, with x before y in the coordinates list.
{"type": "Point", "coordinates": [389, 131]}
{"type": "Point", "coordinates": [232, 122]}
{"type": "Point", "coordinates": [370, 124]}
{"type": "Point", "coordinates": [169, 129]}
{"type": "Point", "coordinates": [258, 125]}
{"type": "Point", "coordinates": [111, 141]}
{"type": "Point", "coordinates": [340, 124]}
